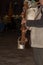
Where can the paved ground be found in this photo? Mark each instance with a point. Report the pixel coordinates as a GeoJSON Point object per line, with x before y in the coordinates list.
{"type": "Point", "coordinates": [10, 55]}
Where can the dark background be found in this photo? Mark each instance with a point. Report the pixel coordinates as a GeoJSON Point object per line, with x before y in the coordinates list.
{"type": "Point", "coordinates": [16, 4]}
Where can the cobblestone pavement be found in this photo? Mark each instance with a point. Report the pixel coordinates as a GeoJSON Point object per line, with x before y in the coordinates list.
{"type": "Point", "coordinates": [10, 55]}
